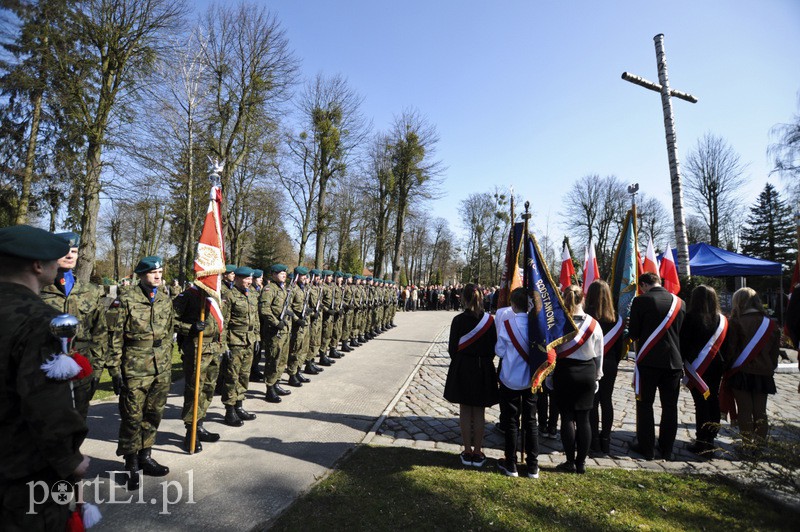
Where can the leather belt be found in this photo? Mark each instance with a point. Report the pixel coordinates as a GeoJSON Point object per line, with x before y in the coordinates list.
{"type": "Point", "coordinates": [242, 328]}
{"type": "Point", "coordinates": [142, 343]}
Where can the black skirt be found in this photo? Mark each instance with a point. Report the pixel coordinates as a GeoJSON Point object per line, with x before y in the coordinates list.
{"type": "Point", "coordinates": [472, 381]}
{"type": "Point", "coordinates": [574, 383]}
{"type": "Point", "coordinates": [749, 382]}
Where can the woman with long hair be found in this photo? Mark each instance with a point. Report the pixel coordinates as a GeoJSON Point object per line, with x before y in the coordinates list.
{"type": "Point", "coordinates": [472, 378]}
{"type": "Point", "coordinates": [750, 373]}
{"type": "Point", "coordinates": [600, 306]}
{"type": "Point", "coordinates": [707, 342]}
{"type": "Point", "coordinates": [579, 367]}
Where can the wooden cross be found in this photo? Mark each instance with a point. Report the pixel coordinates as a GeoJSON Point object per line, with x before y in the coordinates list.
{"type": "Point", "coordinates": [672, 145]}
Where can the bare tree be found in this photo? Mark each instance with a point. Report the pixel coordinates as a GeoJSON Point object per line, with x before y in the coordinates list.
{"type": "Point", "coordinates": [654, 220]}
{"type": "Point", "coordinates": [714, 175]}
{"type": "Point", "coordinates": [785, 151]}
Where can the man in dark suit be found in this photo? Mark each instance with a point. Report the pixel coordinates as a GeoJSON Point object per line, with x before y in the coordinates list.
{"type": "Point", "coordinates": [658, 363]}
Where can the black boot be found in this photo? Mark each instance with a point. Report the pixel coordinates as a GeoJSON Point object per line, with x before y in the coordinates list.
{"type": "Point", "coordinates": [243, 414]}
{"type": "Point", "coordinates": [188, 439]}
{"type": "Point", "coordinates": [325, 361]}
{"type": "Point", "coordinates": [231, 419]}
{"type": "Point", "coordinates": [345, 348]}
{"type": "Point", "coordinates": [301, 377]}
{"type": "Point", "coordinates": [605, 445]}
{"type": "Point", "coordinates": [354, 342]}
{"type": "Point", "coordinates": [205, 436]}
{"type": "Point", "coordinates": [280, 390]}
{"type": "Point", "coordinates": [362, 340]}
{"type": "Point", "coordinates": [256, 376]}
{"type": "Point", "coordinates": [294, 381]}
{"type": "Point", "coordinates": [310, 368]}
{"type": "Point", "coordinates": [149, 466]}
{"type": "Point", "coordinates": [132, 467]}
{"type": "Point", "coordinates": [316, 368]}
{"type": "Point", "coordinates": [272, 395]}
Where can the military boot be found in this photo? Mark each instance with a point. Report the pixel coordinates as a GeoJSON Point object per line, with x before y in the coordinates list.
{"type": "Point", "coordinates": [310, 368]}
{"type": "Point", "coordinates": [354, 342]}
{"type": "Point", "coordinates": [231, 419]}
{"type": "Point", "coordinates": [149, 466]}
{"type": "Point", "coordinates": [325, 361]}
{"type": "Point", "coordinates": [362, 339]}
{"type": "Point", "coordinates": [345, 347]}
{"type": "Point", "coordinates": [316, 368]}
{"type": "Point", "coordinates": [294, 381]}
{"type": "Point", "coordinates": [280, 390]}
{"type": "Point", "coordinates": [206, 436]}
{"type": "Point", "coordinates": [243, 414]}
{"type": "Point", "coordinates": [272, 395]}
{"type": "Point", "coordinates": [301, 377]}
{"type": "Point", "coordinates": [187, 440]}
{"type": "Point", "coordinates": [132, 467]}
{"type": "Point", "coordinates": [333, 353]}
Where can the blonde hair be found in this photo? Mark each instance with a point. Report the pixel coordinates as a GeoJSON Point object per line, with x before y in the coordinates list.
{"type": "Point", "coordinates": [745, 299]}
{"type": "Point", "coordinates": [573, 297]}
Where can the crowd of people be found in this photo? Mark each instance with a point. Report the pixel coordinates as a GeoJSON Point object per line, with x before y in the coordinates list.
{"type": "Point", "coordinates": [727, 362]}
{"type": "Point", "coordinates": [294, 324]}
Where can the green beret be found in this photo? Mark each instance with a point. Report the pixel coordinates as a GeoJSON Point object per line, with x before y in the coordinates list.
{"type": "Point", "coordinates": [258, 273]}
{"type": "Point", "coordinates": [230, 268]}
{"type": "Point", "coordinates": [327, 272]}
{"type": "Point", "coordinates": [278, 268]}
{"type": "Point", "coordinates": [348, 275]}
{"type": "Point", "coordinates": [148, 264]}
{"type": "Point", "coordinates": [338, 274]}
{"type": "Point", "coordinates": [301, 270]}
{"type": "Point", "coordinates": [316, 272]}
{"type": "Point", "coordinates": [370, 278]}
{"type": "Point", "coordinates": [32, 243]}
{"type": "Point", "coordinates": [290, 276]}
{"type": "Point", "coordinates": [74, 239]}
{"type": "Point", "coordinates": [243, 271]}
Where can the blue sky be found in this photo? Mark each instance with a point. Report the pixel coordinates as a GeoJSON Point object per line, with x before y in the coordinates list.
{"type": "Point", "coordinates": [529, 94]}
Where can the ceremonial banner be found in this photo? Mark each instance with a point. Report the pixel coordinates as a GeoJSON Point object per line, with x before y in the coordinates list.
{"type": "Point", "coordinates": [209, 263]}
{"type": "Point", "coordinates": [669, 273]}
{"type": "Point", "coordinates": [650, 263]}
{"type": "Point", "coordinates": [567, 268]}
{"type": "Point", "coordinates": [624, 277]}
{"type": "Point", "coordinates": [550, 326]}
{"type": "Point", "coordinates": [511, 278]}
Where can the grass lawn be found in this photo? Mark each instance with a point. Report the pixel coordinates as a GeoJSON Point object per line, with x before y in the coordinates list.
{"type": "Point", "coordinates": [384, 488]}
{"type": "Point", "coordinates": [104, 389]}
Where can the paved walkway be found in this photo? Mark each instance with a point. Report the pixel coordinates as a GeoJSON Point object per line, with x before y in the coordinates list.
{"type": "Point", "coordinates": [422, 418]}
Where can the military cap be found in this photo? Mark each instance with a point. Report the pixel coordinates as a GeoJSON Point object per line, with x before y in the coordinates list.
{"type": "Point", "coordinates": [290, 276]}
{"type": "Point", "coordinates": [32, 243]}
{"type": "Point", "coordinates": [348, 275]}
{"type": "Point", "coordinates": [301, 270]}
{"type": "Point", "coordinates": [369, 278]}
{"type": "Point", "coordinates": [327, 272]}
{"type": "Point", "coordinates": [74, 239]}
{"type": "Point", "coordinates": [278, 268]}
{"type": "Point", "coordinates": [148, 264]}
{"type": "Point", "coordinates": [230, 268]}
{"type": "Point", "coordinates": [316, 272]}
{"type": "Point", "coordinates": [338, 274]}
{"type": "Point", "coordinates": [243, 271]}
{"type": "Point", "coordinates": [258, 273]}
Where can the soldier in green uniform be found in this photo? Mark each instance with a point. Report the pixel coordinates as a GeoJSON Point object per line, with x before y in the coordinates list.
{"type": "Point", "coordinates": [337, 312]}
{"type": "Point", "coordinates": [297, 342]}
{"type": "Point", "coordinates": [140, 364]}
{"type": "Point", "coordinates": [315, 315]}
{"type": "Point", "coordinates": [241, 332]}
{"type": "Point", "coordinates": [361, 305]}
{"type": "Point", "coordinates": [188, 325]}
{"type": "Point", "coordinates": [276, 321]}
{"type": "Point", "coordinates": [225, 293]}
{"type": "Point", "coordinates": [256, 375]}
{"type": "Point", "coordinates": [42, 430]}
{"type": "Point", "coordinates": [84, 301]}
{"type": "Point", "coordinates": [328, 312]}
{"type": "Point", "coordinates": [349, 309]}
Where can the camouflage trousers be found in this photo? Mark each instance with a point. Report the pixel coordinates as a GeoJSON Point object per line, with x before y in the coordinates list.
{"type": "Point", "coordinates": [209, 371]}
{"type": "Point", "coordinates": [140, 411]}
{"type": "Point", "coordinates": [297, 349]}
{"type": "Point", "coordinates": [277, 354]}
{"type": "Point", "coordinates": [314, 338]}
{"type": "Point", "coordinates": [237, 374]}
{"type": "Point", "coordinates": [338, 330]}
{"type": "Point", "coordinates": [328, 333]}
{"type": "Point", "coordinates": [15, 500]}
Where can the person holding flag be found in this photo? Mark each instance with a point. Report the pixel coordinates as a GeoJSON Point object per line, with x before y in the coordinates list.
{"type": "Point", "coordinates": [707, 341]}
{"type": "Point", "coordinates": [472, 379]}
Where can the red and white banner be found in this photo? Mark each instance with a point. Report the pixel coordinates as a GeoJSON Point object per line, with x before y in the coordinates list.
{"type": "Point", "coordinates": [585, 331]}
{"type": "Point", "coordinates": [650, 263]}
{"type": "Point", "coordinates": [696, 369]}
{"type": "Point", "coordinates": [612, 336]}
{"type": "Point", "coordinates": [653, 339]}
{"type": "Point", "coordinates": [209, 263]}
{"type": "Point", "coordinates": [471, 337]}
{"type": "Point", "coordinates": [591, 272]}
{"type": "Point", "coordinates": [567, 269]}
{"type": "Point", "coordinates": [669, 273]}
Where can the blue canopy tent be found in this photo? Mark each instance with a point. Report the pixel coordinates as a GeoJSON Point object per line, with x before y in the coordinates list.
{"type": "Point", "coordinates": [709, 261]}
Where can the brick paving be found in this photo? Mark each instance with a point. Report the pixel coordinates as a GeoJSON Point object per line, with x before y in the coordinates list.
{"type": "Point", "coordinates": [422, 418]}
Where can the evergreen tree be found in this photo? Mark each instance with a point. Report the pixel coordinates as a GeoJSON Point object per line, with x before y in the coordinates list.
{"type": "Point", "coordinates": [769, 230]}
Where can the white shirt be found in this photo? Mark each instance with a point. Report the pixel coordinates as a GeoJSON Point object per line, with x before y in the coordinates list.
{"type": "Point", "coordinates": [515, 373]}
{"type": "Point", "coordinates": [592, 347]}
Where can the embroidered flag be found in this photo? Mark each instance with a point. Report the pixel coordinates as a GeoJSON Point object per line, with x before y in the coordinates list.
{"type": "Point", "coordinates": [669, 273]}
{"type": "Point", "coordinates": [209, 263]}
{"type": "Point", "coordinates": [624, 276]}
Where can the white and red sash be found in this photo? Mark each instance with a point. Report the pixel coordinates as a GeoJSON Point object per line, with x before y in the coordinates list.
{"type": "Point", "coordinates": [611, 337]}
{"type": "Point", "coordinates": [516, 337]}
{"type": "Point", "coordinates": [754, 346]}
{"type": "Point", "coordinates": [696, 368]}
{"type": "Point", "coordinates": [471, 337]}
{"type": "Point", "coordinates": [585, 332]}
{"type": "Point", "coordinates": [657, 334]}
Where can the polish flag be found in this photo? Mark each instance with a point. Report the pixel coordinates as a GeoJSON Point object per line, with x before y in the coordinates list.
{"type": "Point", "coordinates": [567, 269]}
{"type": "Point", "coordinates": [591, 273]}
{"type": "Point", "coordinates": [650, 263]}
{"type": "Point", "coordinates": [669, 273]}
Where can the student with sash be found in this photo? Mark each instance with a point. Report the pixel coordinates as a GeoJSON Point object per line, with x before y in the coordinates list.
{"type": "Point", "coordinates": [707, 341]}
{"type": "Point", "coordinates": [472, 379]}
{"type": "Point", "coordinates": [579, 367]}
{"type": "Point", "coordinates": [749, 375]}
{"type": "Point", "coordinates": [655, 322]}
{"type": "Point", "coordinates": [517, 401]}
{"type": "Point", "coordinates": [600, 306]}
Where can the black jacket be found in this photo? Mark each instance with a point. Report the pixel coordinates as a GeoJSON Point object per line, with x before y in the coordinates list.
{"type": "Point", "coordinates": [647, 312]}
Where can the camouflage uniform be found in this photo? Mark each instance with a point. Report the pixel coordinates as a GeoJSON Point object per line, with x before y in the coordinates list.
{"type": "Point", "coordinates": [297, 343]}
{"type": "Point", "coordinates": [142, 353]}
{"type": "Point", "coordinates": [241, 333]}
{"type": "Point", "coordinates": [315, 327]}
{"type": "Point", "coordinates": [348, 324]}
{"type": "Point", "coordinates": [85, 302]}
{"type": "Point", "coordinates": [42, 431]}
{"type": "Point", "coordinates": [274, 332]}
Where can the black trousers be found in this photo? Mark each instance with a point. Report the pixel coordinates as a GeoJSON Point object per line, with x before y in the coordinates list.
{"type": "Point", "coordinates": [602, 416]}
{"type": "Point", "coordinates": [706, 411]}
{"type": "Point", "coordinates": [547, 409]}
{"type": "Point", "coordinates": [519, 407]}
{"type": "Point", "coordinates": [667, 382]}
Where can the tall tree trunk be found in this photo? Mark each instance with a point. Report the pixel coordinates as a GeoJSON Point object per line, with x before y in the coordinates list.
{"type": "Point", "coordinates": [398, 240]}
{"type": "Point", "coordinates": [91, 208]}
{"type": "Point", "coordinates": [30, 159]}
{"type": "Point", "coordinates": [188, 221]}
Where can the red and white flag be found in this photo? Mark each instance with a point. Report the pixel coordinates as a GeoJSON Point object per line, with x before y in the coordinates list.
{"type": "Point", "coordinates": [209, 263]}
{"type": "Point", "coordinates": [567, 269]}
{"type": "Point", "coordinates": [591, 272]}
{"type": "Point", "coordinates": [650, 263]}
{"type": "Point", "coordinates": [669, 273]}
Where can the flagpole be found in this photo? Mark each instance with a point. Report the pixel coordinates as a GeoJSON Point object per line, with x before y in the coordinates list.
{"type": "Point", "coordinates": [526, 282]}
{"type": "Point", "coordinates": [198, 359]}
